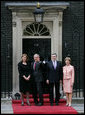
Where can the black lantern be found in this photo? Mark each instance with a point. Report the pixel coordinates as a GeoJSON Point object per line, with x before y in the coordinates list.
{"type": "Point", "coordinates": [38, 14]}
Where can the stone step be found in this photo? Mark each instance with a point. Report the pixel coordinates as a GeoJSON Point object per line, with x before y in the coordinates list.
{"type": "Point", "coordinates": [78, 100]}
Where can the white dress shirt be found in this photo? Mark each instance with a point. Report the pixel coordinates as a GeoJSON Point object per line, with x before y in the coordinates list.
{"type": "Point", "coordinates": [54, 64]}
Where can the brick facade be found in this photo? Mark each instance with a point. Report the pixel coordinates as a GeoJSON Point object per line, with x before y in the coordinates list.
{"type": "Point", "coordinates": [6, 38]}
{"type": "Point", "coordinates": [73, 41]}
{"type": "Point", "coordinates": [73, 36]}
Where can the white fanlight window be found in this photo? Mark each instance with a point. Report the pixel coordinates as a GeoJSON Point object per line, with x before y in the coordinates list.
{"type": "Point", "coordinates": [36, 29]}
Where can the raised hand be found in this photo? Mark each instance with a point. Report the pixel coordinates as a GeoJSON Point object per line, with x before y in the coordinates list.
{"type": "Point", "coordinates": [47, 81]}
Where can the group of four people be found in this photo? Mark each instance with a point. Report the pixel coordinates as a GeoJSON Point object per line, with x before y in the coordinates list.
{"type": "Point", "coordinates": [55, 74]}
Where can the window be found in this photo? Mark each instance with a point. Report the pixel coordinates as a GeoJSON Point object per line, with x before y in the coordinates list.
{"type": "Point", "coordinates": [36, 29]}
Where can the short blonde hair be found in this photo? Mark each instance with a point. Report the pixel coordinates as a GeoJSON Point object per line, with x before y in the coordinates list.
{"type": "Point", "coordinates": [68, 58]}
{"type": "Point", "coordinates": [25, 55]}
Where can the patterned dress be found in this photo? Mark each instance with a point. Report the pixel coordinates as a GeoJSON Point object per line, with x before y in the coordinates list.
{"type": "Point", "coordinates": [68, 78]}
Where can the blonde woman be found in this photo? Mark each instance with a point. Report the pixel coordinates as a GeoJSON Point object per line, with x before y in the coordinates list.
{"type": "Point", "coordinates": [68, 80]}
{"type": "Point", "coordinates": [24, 69]}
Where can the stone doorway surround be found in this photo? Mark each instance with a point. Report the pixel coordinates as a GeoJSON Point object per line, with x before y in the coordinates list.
{"type": "Point", "coordinates": [22, 13]}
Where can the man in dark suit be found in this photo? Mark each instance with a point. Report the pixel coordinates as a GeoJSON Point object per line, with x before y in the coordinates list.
{"type": "Point", "coordinates": [37, 79]}
{"type": "Point", "coordinates": [54, 77]}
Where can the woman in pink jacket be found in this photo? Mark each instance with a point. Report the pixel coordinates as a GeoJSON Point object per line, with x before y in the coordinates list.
{"type": "Point", "coordinates": [68, 80]}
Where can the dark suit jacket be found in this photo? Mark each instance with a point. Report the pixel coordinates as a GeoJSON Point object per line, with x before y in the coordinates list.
{"type": "Point", "coordinates": [37, 74]}
{"type": "Point", "coordinates": [54, 75]}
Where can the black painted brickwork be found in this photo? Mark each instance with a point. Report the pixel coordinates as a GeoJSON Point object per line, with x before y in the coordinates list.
{"type": "Point", "coordinates": [73, 23]}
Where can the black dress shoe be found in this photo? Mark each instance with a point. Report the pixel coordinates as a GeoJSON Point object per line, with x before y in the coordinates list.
{"type": "Point", "coordinates": [28, 103]}
{"type": "Point", "coordinates": [51, 104]}
{"type": "Point", "coordinates": [36, 103]}
{"type": "Point", "coordinates": [57, 103]}
{"type": "Point", "coordinates": [40, 104]}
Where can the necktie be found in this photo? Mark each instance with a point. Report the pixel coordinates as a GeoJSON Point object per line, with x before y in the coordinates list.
{"type": "Point", "coordinates": [54, 64]}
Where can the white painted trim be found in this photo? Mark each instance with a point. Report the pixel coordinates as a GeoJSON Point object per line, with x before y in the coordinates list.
{"type": "Point", "coordinates": [38, 37]}
{"type": "Point", "coordinates": [56, 41]}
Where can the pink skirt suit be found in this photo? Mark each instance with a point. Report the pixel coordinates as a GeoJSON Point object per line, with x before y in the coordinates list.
{"type": "Point", "coordinates": [68, 78]}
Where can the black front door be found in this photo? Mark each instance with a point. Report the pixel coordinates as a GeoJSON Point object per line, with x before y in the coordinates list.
{"type": "Point", "coordinates": [40, 46]}
{"type": "Point", "coordinates": [43, 48]}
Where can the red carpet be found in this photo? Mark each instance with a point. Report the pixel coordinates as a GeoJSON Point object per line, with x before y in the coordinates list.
{"type": "Point", "coordinates": [45, 109]}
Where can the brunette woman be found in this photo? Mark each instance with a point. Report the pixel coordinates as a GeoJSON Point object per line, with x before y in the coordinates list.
{"type": "Point", "coordinates": [24, 69]}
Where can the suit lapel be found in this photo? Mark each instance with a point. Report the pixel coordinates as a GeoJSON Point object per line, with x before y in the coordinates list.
{"type": "Point", "coordinates": [51, 64]}
{"type": "Point", "coordinates": [37, 65]}
{"type": "Point", "coordinates": [33, 65]}
{"type": "Point", "coordinates": [57, 64]}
